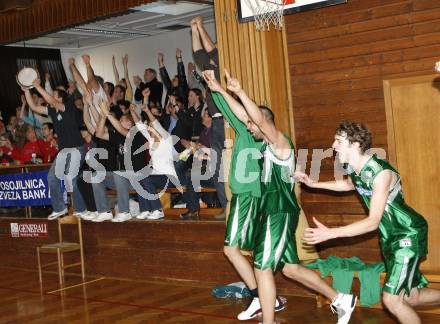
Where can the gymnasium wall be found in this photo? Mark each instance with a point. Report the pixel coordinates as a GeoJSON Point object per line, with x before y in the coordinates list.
{"type": "Point", "coordinates": [338, 59]}
{"type": "Point", "coordinates": [142, 53]}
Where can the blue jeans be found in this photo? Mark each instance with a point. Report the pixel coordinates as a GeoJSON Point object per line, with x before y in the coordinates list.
{"type": "Point", "coordinates": [217, 144]}
{"type": "Point", "coordinates": [114, 181]}
{"type": "Point", "coordinates": [151, 184]}
{"type": "Point", "coordinates": [56, 193]}
{"type": "Point", "coordinates": [189, 195]}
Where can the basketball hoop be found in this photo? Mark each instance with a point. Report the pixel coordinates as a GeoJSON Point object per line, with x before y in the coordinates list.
{"type": "Point", "coordinates": [267, 13]}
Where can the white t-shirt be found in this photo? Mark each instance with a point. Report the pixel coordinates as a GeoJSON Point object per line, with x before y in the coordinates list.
{"type": "Point", "coordinates": [96, 98]}
{"type": "Point", "coordinates": [161, 152]}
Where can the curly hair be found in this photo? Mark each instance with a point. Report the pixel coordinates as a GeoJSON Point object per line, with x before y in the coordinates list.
{"type": "Point", "coordinates": [356, 132]}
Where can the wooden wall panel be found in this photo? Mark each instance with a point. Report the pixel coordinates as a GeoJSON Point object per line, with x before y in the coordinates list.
{"type": "Point", "coordinates": [183, 251]}
{"type": "Point", "coordinates": [338, 59]}
{"type": "Point", "coordinates": [51, 15]}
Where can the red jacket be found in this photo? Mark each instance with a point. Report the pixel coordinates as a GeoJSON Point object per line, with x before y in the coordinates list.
{"type": "Point", "coordinates": [8, 154]}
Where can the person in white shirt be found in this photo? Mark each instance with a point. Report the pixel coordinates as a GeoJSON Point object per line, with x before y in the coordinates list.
{"type": "Point", "coordinates": [163, 174]}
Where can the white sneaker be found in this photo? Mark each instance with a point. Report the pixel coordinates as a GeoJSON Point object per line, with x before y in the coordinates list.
{"type": "Point", "coordinates": [80, 214]}
{"type": "Point", "coordinates": [90, 216]}
{"type": "Point", "coordinates": [155, 215]}
{"type": "Point", "coordinates": [121, 217]}
{"type": "Point", "coordinates": [143, 215]}
{"type": "Point", "coordinates": [103, 217]}
{"type": "Point", "coordinates": [343, 305]}
{"type": "Point", "coordinates": [251, 311]}
{"type": "Point", "coordinates": [55, 215]}
{"type": "Point", "coordinates": [254, 308]}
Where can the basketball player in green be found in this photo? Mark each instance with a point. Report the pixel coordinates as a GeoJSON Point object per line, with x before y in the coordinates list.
{"type": "Point", "coordinates": [274, 246]}
{"type": "Point", "coordinates": [245, 185]}
{"type": "Point", "coordinates": [402, 231]}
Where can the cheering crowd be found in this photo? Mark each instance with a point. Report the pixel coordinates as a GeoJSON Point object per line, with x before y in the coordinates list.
{"type": "Point", "coordinates": [123, 135]}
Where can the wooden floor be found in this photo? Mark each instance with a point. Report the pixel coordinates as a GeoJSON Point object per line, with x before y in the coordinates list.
{"type": "Point", "coordinates": [107, 300]}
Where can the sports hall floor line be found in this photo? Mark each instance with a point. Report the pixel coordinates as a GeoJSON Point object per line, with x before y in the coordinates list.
{"type": "Point", "coordinates": [78, 285]}
{"type": "Point", "coordinates": [96, 300]}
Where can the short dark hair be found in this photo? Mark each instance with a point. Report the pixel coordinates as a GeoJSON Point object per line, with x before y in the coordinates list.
{"type": "Point", "coordinates": [124, 103]}
{"type": "Point", "coordinates": [198, 93]}
{"type": "Point", "coordinates": [267, 113]}
{"type": "Point", "coordinates": [50, 126]}
{"type": "Point", "coordinates": [180, 100]}
{"type": "Point", "coordinates": [355, 132]}
{"type": "Point", "coordinates": [62, 94]}
{"type": "Point", "coordinates": [121, 88]}
{"type": "Point", "coordinates": [100, 80]}
{"type": "Point", "coordinates": [111, 88]}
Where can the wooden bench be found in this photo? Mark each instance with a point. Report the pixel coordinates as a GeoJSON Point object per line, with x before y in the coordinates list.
{"type": "Point", "coordinates": [165, 198]}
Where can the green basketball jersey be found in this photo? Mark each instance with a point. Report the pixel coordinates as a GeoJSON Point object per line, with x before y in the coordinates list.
{"type": "Point", "coordinates": [277, 182]}
{"type": "Point", "coordinates": [245, 171]}
{"type": "Point", "coordinates": [400, 226]}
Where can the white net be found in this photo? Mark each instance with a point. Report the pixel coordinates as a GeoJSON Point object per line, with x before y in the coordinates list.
{"type": "Point", "coordinates": [267, 13]}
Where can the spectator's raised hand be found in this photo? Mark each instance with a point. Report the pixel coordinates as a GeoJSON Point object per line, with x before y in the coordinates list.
{"type": "Point", "coordinates": [71, 61]}
{"type": "Point", "coordinates": [125, 60]}
{"type": "Point", "coordinates": [178, 53]}
{"type": "Point", "coordinates": [36, 82]}
{"type": "Point", "coordinates": [137, 81]}
{"type": "Point", "coordinates": [144, 108]}
{"type": "Point", "coordinates": [232, 83]}
{"type": "Point", "coordinates": [211, 81]}
{"type": "Point", "coordinates": [199, 21]}
{"type": "Point", "coordinates": [132, 108]}
{"type": "Point", "coordinates": [160, 59]}
{"type": "Point", "coordinates": [146, 93]}
{"type": "Point", "coordinates": [86, 59]}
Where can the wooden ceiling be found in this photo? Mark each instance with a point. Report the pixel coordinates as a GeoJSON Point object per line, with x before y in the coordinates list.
{"type": "Point", "coordinates": [24, 19]}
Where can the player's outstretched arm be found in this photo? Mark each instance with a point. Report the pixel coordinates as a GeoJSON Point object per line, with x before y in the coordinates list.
{"type": "Point", "coordinates": [378, 202]}
{"type": "Point", "coordinates": [337, 185]}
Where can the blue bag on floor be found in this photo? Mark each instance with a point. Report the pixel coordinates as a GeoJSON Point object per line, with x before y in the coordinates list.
{"type": "Point", "coordinates": [233, 290]}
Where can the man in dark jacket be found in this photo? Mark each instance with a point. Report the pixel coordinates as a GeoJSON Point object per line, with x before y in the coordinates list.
{"type": "Point", "coordinates": [151, 82]}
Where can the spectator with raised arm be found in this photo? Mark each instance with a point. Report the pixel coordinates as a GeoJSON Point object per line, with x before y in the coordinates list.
{"type": "Point", "coordinates": [125, 81]}
{"type": "Point", "coordinates": [206, 57]}
{"type": "Point", "coordinates": [126, 143]}
{"type": "Point", "coordinates": [178, 86]}
{"type": "Point", "coordinates": [163, 173]}
{"type": "Point", "coordinates": [93, 85]}
{"type": "Point", "coordinates": [62, 111]}
{"type": "Point", "coordinates": [151, 82]}
{"type": "Point", "coordinates": [100, 211]}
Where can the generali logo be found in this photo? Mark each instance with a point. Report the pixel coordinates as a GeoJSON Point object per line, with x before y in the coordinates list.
{"type": "Point", "coordinates": [29, 229]}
